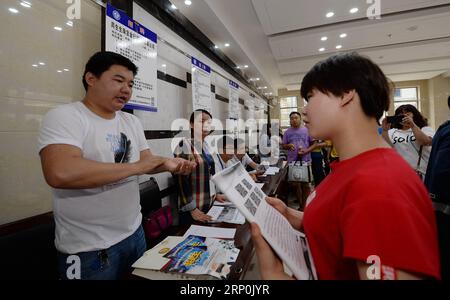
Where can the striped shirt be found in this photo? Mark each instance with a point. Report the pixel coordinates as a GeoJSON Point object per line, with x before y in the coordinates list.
{"type": "Point", "coordinates": [194, 189]}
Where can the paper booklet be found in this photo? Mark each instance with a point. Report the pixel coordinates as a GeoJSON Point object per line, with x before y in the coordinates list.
{"type": "Point", "coordinates": [226, 214]}
{"type": "Point", "coordinates": [188, 258]}
{"type": "Point", "coordinates": [290, 244]}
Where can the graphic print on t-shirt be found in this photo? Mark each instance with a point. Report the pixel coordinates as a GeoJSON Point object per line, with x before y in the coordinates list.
{"type": "Point", "coordinates": [121, 146]}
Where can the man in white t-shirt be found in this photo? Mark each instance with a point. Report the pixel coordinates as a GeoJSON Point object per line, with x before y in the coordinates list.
{"type": "Point", "coordinates": [91, 155]}
{"type": "Point", "coordinates": [410, 136]}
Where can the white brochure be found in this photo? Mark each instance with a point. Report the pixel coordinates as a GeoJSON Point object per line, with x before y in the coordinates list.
{"type": "Point", "coordinates": [290, 244]}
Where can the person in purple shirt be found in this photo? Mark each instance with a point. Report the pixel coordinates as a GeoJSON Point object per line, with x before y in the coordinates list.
{"type": "Point", "coordinates": [299, 144]}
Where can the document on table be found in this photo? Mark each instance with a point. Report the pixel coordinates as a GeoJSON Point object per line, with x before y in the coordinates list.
{"type": "Point", "coordinates": [272, 171]}
{"type": "Point", "coordinates": [226, 214]}
{"type": "Point", "coordinates": [290, 244]}
{"type": "Point", "coordinates": [208, 231]}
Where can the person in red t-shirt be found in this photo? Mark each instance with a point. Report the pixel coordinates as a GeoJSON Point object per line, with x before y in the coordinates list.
{"type": "Point", "coordinates": [371, 218]}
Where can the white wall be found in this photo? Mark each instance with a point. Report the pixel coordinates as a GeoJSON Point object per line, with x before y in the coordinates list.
{"type": "Point", "coordinates": [28, 93]}
{"type": "Point", "coordinates": [173, 101]}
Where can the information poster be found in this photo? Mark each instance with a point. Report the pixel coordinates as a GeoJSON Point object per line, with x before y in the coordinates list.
{"type": "Point", "coordinates": [132, 40]}
{"type": "Point", "coordinates": [233, 96]}
{"type": "Point", "coordinates": [201, 85]}
{"type": "Point", "coordinates": [251, 107]}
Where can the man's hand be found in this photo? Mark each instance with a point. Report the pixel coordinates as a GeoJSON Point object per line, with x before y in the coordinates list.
{"type": "Point", "coordinates": [302, 152]}
{"type": "Point", "coordinates": [179, 166]}
{"type": "Point", "coordinates": [200, 216]}
{"type": "Point", "coordinates": [221, 198]}
{"type": "Point", "coordinates": [290, 147]}
{"type": "Point", "coordinates": [270, 265]}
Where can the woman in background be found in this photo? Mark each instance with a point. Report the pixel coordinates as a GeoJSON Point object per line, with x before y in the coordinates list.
{"type": "Point", "coordinates": [411, 137]}
{"type": "Point", "coordinates": [196, 189]}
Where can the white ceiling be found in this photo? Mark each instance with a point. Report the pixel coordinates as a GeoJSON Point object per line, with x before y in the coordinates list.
{"type": "Point", "coordinates": [280, 39]}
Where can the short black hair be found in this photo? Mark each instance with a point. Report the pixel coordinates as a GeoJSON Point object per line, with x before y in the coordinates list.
{"type": "Point", "coordinates": [101, 61]}
{"type": "Point", "coordinates": [295, 113]}
{"type": "Point", "coordinates": [345, 72]}
{"type": "Point", "coordinates": [198, 111]}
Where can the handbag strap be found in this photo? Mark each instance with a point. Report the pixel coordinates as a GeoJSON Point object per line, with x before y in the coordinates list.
{"type": "Point", "coordinates": [301, 161]}
{"type": "Point", "coordinates": [420, 157]}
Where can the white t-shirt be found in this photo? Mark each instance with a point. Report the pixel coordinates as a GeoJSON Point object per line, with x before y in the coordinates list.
{"type": "Point", "coordinates": [406, 145]}
{"type": "Point", "coordinates": [97, 218]}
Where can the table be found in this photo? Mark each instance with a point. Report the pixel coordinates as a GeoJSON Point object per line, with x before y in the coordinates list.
{"type": "Point", "coordinates": [243, 239]}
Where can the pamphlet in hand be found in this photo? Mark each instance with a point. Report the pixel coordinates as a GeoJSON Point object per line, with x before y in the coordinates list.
{"type": "Point", "coordinates": [290, 244]}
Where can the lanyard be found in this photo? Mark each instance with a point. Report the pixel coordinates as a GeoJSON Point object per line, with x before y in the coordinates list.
{"type": "Point", "coordinates": [220, 161]}
{"type": "Point", "coordinates": [209, 160]}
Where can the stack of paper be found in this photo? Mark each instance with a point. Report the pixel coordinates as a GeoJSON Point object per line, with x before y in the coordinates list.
{"type": "Point", "coordinates": [226, 214]}
{"type": "Point", "coordinates": [213, 232]}
{"type": "Point", "coordinates": [194, 257]}
{"type": "Point", "coordinates": [272, 171]}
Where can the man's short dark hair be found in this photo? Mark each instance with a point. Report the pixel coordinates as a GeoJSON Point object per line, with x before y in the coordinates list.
{"type": "Point", "coordinates": [295, 113]}
{"type": "Point", "coordinates": [198, 112]}
{"type": "Point", "coordinates": [100, 62]}
{"type": "Point", "coordinates": [345, 72]}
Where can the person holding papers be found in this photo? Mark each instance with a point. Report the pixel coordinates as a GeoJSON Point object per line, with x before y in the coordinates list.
{"type": "Point", "coordinates": [228, 149]}
{"type": "Point", "coordinates": [195, 188]}
{"type": "Point", "coordinates": [371, 218]}
{"type": "Point", "coordinates": [222, 159]}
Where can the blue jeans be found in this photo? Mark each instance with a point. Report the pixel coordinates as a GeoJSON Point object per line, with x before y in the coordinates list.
{"type": "Point", "coordinates": [108, 264]}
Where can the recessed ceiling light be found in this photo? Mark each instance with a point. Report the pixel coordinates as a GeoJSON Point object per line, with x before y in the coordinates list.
{"type": "Point", "coordinates": [216, 47]}
{"type": "Point", "coordinates": [354, 10]}
{"type": "Point", "coordinates": [13, 10]}
{"type": "Point", "coordinates": [57, 28]}
{"type": "Point", "coordinates": [59, 71]}
{"type": "Point", "coordinates": [42, 64]}
{"type": "Point", "coordinates": [246, 67]}
{"type": "Point", "coordinates": [322, 49]}
{"type": "Point", "coordinates": [173, 6]}
{"type": "Point", "coordinates": [69, 23]}
{"type": "Point", "coordinates": [66, 70]}
{"type": "Point", "coordinates": [25, 4]}
{"type": "Point", "coordinates": [163, 65]}
{"type": "Point", "coordinates": [343, 35]}
{"type": "Point", "coordinates": [324, 38]}
{"type": "Point", "coordinates": [338, 46]}
{"type": "Point", "coordinates": [330, 14]}
{"type": "Point", "coordinates": [188, 2]}
{"type": "Point", "coordinates": [227, 45]}
{"type": "Point", "coordinates": [254, 79]}
{"type": "Point", "coordinates": [35, 65]}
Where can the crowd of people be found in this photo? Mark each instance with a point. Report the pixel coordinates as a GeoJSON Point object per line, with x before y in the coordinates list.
{"type": "Point", "coordinates": [370, 193]}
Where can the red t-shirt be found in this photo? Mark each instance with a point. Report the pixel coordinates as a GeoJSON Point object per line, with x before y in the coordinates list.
{"type": "Point", "coordinates": [372, 204]}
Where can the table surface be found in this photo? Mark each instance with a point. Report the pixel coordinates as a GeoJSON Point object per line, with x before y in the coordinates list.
{"type": "Point", "coordinates": [243, 239]}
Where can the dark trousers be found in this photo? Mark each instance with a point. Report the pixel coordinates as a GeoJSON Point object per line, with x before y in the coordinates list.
{"type": "Point", "coordinates": [317, 168]}
{"type": "Point", "coordinates": [443, 224]}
